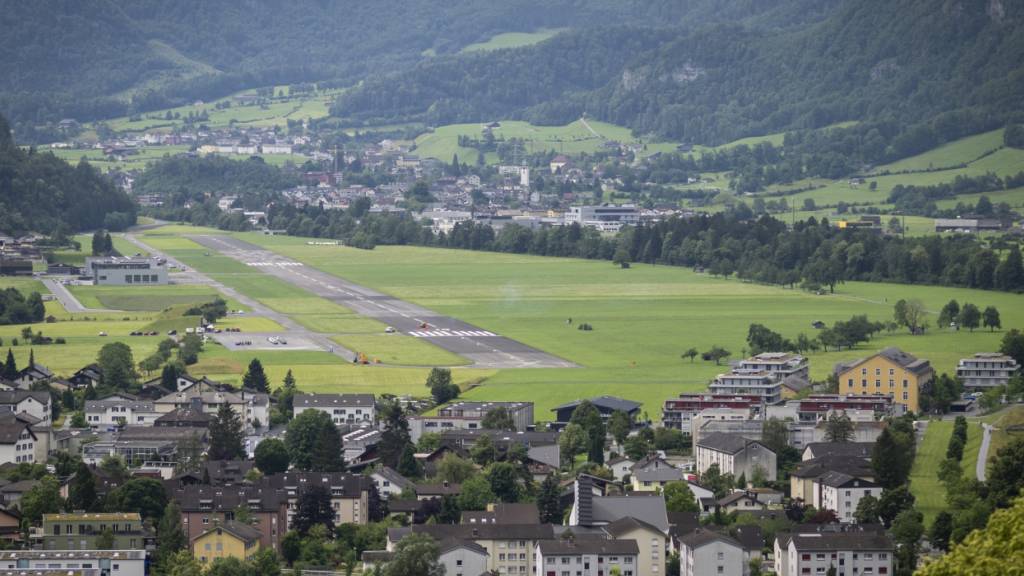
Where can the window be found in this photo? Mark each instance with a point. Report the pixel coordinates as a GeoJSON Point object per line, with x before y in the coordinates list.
{"type": "Point", "coordinates": [721, 555]}
{"type": "Point", "coordinates": [721, 569]}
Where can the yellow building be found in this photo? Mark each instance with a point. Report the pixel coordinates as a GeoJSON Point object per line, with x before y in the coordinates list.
{"type": "Point", "coordinates": [229, 540]}
{"type": "Point", "coordinates": [892, 372]}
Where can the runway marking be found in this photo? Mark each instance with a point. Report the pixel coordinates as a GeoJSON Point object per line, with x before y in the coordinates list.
{"type": "Point", "coordinates": [266, 264]}
{"type": "Point", "coordinates": [452, 333]}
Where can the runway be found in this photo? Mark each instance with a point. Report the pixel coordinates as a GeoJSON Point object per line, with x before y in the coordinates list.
{"type": "Point", "coordinates": [483, 348]}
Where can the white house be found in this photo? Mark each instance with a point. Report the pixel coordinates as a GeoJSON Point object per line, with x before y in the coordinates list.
{"type": "Point", "coordinates": [735, 455]}
{"type": "Point", "coordinates": [841, 493]}
{"type": "Point", "coordinates": [17, 440]}
{"type": "Point", "coordinates": [342, 408]}
{"type": "Point", "coordinates": [118, 409]}
{"type": "Point", "coordinates": [463, 558]}
{"type": "Point", "coordinates": [251, 407]}
{"type": "Point", "coordinates": [389, 482]}
{"type": "Point", "coordinates": [860, 550]}
{"type": "Point", "coordinates": [986, 370]}
{"type": "Point", "coordinates": [35, 404]}
{"type": "Point", "coordinates": [709, 553]}
{"type": "Point", "coordinates": [621, 466]}
{"type": "Point", "coordinates": [586, 557]}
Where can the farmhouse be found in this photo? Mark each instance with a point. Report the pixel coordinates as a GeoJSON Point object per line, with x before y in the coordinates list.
{"type": "Point", "coordinates": [892, 372]}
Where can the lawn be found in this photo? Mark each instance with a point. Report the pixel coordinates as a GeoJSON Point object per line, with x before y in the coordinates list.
{"type": "Point", "coordinates": [643, 317]}
{"type": "Point", "coordinates": [951, 154]}
{"type": "Point", "coordinates": [929, 493]}
{"type": "Point", "coordinates": [399, 349]}
{"type": "Point", "coordinates": [574, 138]}
{"type": "Point", "coordinates": [143, 298]}
{"type": "Point", "coordinates": [513, 40]}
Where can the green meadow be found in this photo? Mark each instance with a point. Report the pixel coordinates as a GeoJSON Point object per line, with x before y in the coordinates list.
{"type": "Point", "coordinates": [643, 317]}
{"type": "Point", "coordinates": [572, 139]}
{"type": "Point", "coordinates": [513, 40]}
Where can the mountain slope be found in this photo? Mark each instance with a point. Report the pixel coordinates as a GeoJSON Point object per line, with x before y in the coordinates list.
{"type": "Point", "coordinates": [927, 71]}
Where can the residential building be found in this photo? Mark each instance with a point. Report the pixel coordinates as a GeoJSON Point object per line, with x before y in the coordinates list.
{"type": "Point", "coordinates": [968, 225]}
{"type": "Point", "coordinates": [892, 372]}
{"type": "Point", "coordinates": [606, 405]}
{"type": "Point", "coordinates": [251, 407]}
{"type": "Point", "coordinates": [861, 407]}
{"type": "Point", "coordinates": [986, 370]}
{"type": "Point", "coordinates": [541, 446]}
{"type": "Point", "coordinates": [802, 478]}
{"type": "Point", "coordinates": [342, 408]}
{"type": "Point", "coordinates": [742, 382]}
{"type": "Point", "coordinates": [80, 530]}
{"type": "Point", "coordinates": [621, 466]}
{"type": "Point", "coordinates": [741, 501]}
{"type": "Point", "coordinates": [652, 473]}
{"type": "Point", "coordinates": [464, 415]}
{"type": "Point", "coordinates": [17, 439]}
{"type": "Point", "coordinates": [841, 493]}
{"type": "Point", "coordinates": [119, 410]}
{"type": "Point", "coordinates": [462, 558]}
{"type": "Point", "coordinates": [389, 482]}
{"type": "Point", "coordinates": [116, 271]}
{"type": "Point", "coordinates": [850, 550]}
{"type": "Point", "coordinates": [586, 557]}
{"type": "Point", "coordinates": [35, 404]}
{"type": "Point", "coordinates": [591, 510]}
{"type": "Point", "coordinates": [782, 365]}
{"type": "Point", "coordinates": [204, 506]}
{"type": "Point", "coordinates": [99, 562]}
{"type": "Point", "coordinates": [678, 412]}
{"type": "Point", "coordinates": [509, 547]}
{"type": "Point", "coordinates": [861, 450]}
{"type": "Point", "coordinates": [29, 375]}
{"type": "Point", "coordinates": [708, 553]}
{"type": "Point", "coordinates": [87, 375]}
{"type": "Point", "coordinates": [350, 493]}
{"type": "Point", "coordinates": [228, 540]}
{"type": "Point", "coordinates": [11, 493]}
{"type": "Point", "coordinates": [653, 545]}
{"type": "Point", "coordinates": [735, 455]}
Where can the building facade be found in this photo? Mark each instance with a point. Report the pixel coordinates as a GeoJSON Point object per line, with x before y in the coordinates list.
{"type": "Point", "coordinates": [986, 370]}
{"type": "Point", "coordinates": [891, 372]}
{"type": "Point", "coordinates": [80, 531]}
{"type": "Point", "coordinates": [735, 455]}
{"type": "Point", "coordinates": [114, 271]}
{"type": "Point", "coordinates": [342, 408]}
{"type": "Point", "coordinates": [463, 415]}
{"type": "Point", "coordinates": [586, 557]}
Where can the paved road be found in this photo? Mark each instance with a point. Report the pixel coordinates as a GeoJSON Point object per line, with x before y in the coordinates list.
{"type": "Point", "coordinates": [65, 297]}
{"type": "Point", "coordinates": [982, 465]}
{"type": "Point", "coordinates": [293, 330]}
{"type": "Point", "coordinates": [483, 348]}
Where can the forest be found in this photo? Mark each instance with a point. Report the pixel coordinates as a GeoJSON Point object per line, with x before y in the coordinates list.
{"type": "Point", "coordinates": [116, 57]}
{"type": "Point", "coordinates": [914, 77]}
{"type": "Point", "coordinates": [42, 193]}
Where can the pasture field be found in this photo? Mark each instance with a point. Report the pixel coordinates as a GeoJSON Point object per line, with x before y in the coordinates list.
{"type": "Point", "coordinates": [951, 154]}
{"type": "Point", "coordinates": [570, 139]}
{"type": "Point", "coordinates": [105, 163]}
{"type": "Point", "coordinates": [643, 317]}
{"type": "Point", "coordinates": [929, 493]}
{"type": "Point", "coordinates": [513, 40]}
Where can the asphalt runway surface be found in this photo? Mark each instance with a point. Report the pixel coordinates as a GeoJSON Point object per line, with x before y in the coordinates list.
{"type": "Point", "coordinates": [483, 348]}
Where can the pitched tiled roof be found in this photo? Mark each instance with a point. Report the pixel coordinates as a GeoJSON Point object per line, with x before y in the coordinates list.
{"type": "Point", "coordinates": [596, 546]}
{"type": "Point", "coordinates": [725, 443]}
{"type": "Point", "coordinates": [243, 532]}
{"type": "Point", "coordinates": [607, 402]}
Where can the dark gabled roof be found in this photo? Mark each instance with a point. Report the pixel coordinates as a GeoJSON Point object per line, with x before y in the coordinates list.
{"type": "Point", "coordinates": [627, 524]}
{"type": "Point", "coordinates": [736, 497]}
{"type": "Point", "coordinates": [844, 449]}
{"type": "Point", "coordinates": [726, 443]}
{"type": "Point", "coordinates": [702, 537]}
{"type": "Point", "coordinates": [199, 497]}
{"type": "Point", "coordinates": [157, 433]}
{"type": "Point", "coordinates": [19, 396]}
{"type": "Point", "coordinates": [11, 427]}
{"type": "Point", "coordinates": [444, 489]}
{"type": "Point", "coordinates": [649, 508]}
{"type": "Point", "coordinates": [399, 505]}
{"type": "Point", "coordinates": [476, 531]}
{"type": "Point", "coordinates": [867, 540]}
{"type": "Point", "coordinates": [750, 536]}
{"type": "Point", "coordinates": [19, 487]}
{"type": "Point", "coordinates": [341, 484]}
{"type": "Point", "coordinates": [606, 402]}
{"type": "Point", "coordinates": [333, 400]}
{"type": "Point", "coordinates": [243, 532]}
{"type": "Point", "coordinates": [36, 368]}
{"type": "Point", "coordinates": [840, 479]}
{"type": "Point", "coordinates": [573, 547]}
{"type": "Point", "coordinates": [186, 415]}
{"type": "Point", "coordinates": [449, 544]}
{"type": "Point", "coordinates": [394, 477]}
{"type": "Point", "coordinates": [894, 355]}
{"type": "Point", "coordinates": [227, 471]}
{"type": "Point", "coordinates": [816, 467]}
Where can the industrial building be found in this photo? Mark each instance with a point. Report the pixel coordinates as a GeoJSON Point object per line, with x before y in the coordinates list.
{"type": "Point", "coordinates": [115, 271]}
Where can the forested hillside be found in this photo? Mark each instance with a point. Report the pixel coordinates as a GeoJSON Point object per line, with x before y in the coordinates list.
{"type": "Point", "coordinates": [921, 73]}
{"type": "Point", "coordinates": [41, 193]}
{"type": "Point", "coordinates": [90, 59]}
